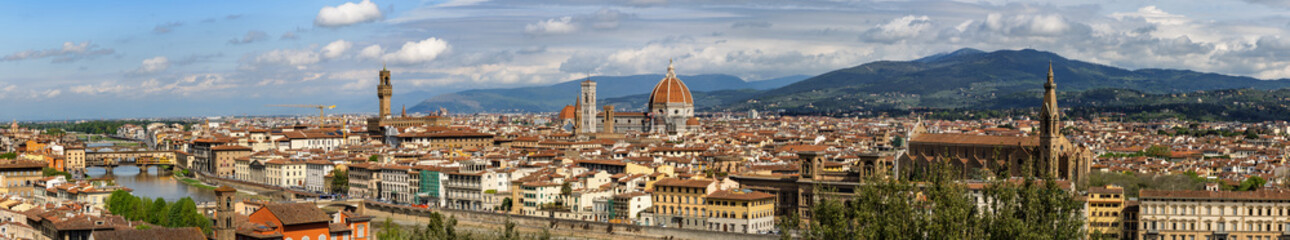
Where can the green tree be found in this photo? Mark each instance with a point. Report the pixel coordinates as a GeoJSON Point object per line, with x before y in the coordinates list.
{"type": "Point", "coordinates": [180, 212]}
{"type": "Point", "coordinates": [897, 141]}
{"type": "Point", "coordinates": [55, 132]}
{"type": "Point", "coordinates": [546, 235]}
{"type": "Point", "coordinates": [788, 225]}
{"type": "Point", "coordinates": [1252, 183]}
{"type": "Point", "coordinates": [565, 190]}
{"type": "Point", "coordinates": [506, 204]}
{"type": "Point", "coordinates": [390, 231]}
{"type": "Point", "coordinates": [159, 212]}
{"type": "Point", "coordinates": [50, 172]}
{"type": "Point", "coordinates": [8, 155]}
{"type": "Point", "coordinates": [374, 158]}
{"type": "Point", "coordinates": [339, 181]}
{"type": "Point", "coordinates": [140, 211]}
{"type": "Point", "coordinates": [508, 231]}
{"type": "Point", "coordinates": [1158, 151]}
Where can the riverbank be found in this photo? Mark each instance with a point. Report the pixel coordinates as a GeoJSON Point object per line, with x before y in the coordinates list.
{"type": "Point", "coordinates": [195, 183]}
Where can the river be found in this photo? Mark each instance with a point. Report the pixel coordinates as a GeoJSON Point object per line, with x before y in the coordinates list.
{"type": "Point", "coordinates": [151, 185]}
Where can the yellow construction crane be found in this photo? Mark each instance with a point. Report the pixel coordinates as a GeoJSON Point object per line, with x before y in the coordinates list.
{"type": "Point", "coordinates": [320, 108]}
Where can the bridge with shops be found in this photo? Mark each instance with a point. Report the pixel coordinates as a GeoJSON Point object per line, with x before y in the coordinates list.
{"type": "Point", "coordinates": [113, 156]}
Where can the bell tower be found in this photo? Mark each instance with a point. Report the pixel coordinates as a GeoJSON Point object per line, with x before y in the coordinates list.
{"type": "Point", "coordinates": [224, 225]}
{"type": "Point", "coordinates": [587, 107]}
{"type": "Point", "coordinates": [1050, 127]}
{"type": "Point", "coordinates": [384, 91]}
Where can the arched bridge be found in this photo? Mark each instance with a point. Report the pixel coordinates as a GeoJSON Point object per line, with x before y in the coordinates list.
{"type": "Point", "coordinates": [110, 157]}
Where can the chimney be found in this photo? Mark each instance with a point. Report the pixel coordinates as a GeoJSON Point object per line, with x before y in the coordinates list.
{"type": "Point", "coordinates": [609, 119]}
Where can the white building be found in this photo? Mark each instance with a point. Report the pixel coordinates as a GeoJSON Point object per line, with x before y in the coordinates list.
{"type": "Point", "coordinates": [316, 175]}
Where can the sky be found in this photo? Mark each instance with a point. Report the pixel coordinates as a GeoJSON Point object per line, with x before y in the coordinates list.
{"type": "Point", "coordinates": [63, 60]}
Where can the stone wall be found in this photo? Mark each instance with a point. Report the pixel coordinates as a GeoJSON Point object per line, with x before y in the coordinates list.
{"type": "Point", "coordinates": [577, 228]}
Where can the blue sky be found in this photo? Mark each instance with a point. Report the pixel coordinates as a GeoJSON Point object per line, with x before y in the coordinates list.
{"type": "Point", "coordinates": [116, 59]}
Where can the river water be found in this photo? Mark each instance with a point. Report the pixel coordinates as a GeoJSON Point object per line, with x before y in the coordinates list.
{"type": "Point", "coordinates": [150, 184]}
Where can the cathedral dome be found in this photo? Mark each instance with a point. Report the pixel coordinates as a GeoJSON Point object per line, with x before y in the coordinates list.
{"type": "Point", "coordinates": [670, 90]}
{"type": "Point", "coordinates": [567, 112]}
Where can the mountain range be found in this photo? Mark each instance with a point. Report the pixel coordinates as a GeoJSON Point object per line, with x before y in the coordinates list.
{"type": "Point", "coordinates": [962, 79]}
{"type": "Point", "coordinates": [554, 97]}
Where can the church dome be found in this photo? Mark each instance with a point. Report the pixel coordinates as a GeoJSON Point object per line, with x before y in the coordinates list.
{"type": "Point", "coordinates": [567, 112]}
{"type": "Point", "coordinates": [670, 90]}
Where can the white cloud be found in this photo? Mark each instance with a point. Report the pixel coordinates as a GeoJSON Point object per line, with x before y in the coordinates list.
{"type": "Point", "coordinates": [419, 52]}
{"type": "Point", "coordinates": [371, 52]}
{"type": "Point", "coordinates": [552, 26]}
{"type": "Point", "coordinates": [348, 14]}
{"type": "Point", "coordinates": [70, 52]}
{"type": "Point", "coordinates": [300, 59]}
{"type": "Point", "coordinates": [899, 29]}
{"type": "Point", "coordinates": [250, 37]}
{"type": "Point", "coordinates": [104, 87]}
{"type": "Point", "coordinates": [335, 49]}
{"type": "Point", "coordinates": [51, 93]}
{"type": "Point", "coordinates": [153, 65]}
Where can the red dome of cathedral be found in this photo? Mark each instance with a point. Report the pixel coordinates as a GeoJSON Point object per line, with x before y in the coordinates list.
{"type": "Point", "coordinates": [567, 112]}
{"type": "Point", "coordinates": [670, 90]}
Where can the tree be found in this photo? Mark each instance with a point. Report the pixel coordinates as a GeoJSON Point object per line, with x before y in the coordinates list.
{"type": "Point", "coordinates": [1158, 151]}
{"type": "Point", "coordinates": [374, 158]}
{"type": "Point", "coordinates": [940, 207]}
{"type": "Point", "coordinates": [159, 212]}
{"type": "Point", "coordinates": [897, 141]}
{"type": "Point", "coordinates": [390, 231]}
{"type": "Point", "coordinates": [180, 211]}
{"type": "Point", "coordinates": [140, 211]}
{"type": "Point", "coordinates": [50, 172]}
{"type": "Point", "coordinates": [1252, 183]}
{"type": "Point", "coordinates": [55, 132]}
{"type": "Point", "coordinates": [566, 189]}
{"type": "Point", "coordinates": [506, 204]}
{"type": "Point", "coordinates": [788, 225]}
{"type": "Point", "coordinates": [508, 231]}
{"type": "Point", "coordinates": [546, 234]}
{"type": "Point", "coordinates": [8, 155]}
{"type": "Point", "coordinates": [339, 181]}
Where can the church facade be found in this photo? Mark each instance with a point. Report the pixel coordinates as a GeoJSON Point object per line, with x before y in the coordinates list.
{"type": "Point", "coordinates": [977, 156]}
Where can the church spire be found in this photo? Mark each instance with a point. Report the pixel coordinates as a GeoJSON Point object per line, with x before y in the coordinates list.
{"type": "Point", "coordinates": [1050, 83]}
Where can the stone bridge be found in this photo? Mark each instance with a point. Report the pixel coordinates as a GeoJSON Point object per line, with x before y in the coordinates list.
{"type": "Point", "coordinates": [110, 157]}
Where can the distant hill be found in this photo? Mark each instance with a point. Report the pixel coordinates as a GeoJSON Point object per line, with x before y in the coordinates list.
{"type": "Point", "coordinates": [970, 78]}
{"type": "Point", "coordinates": [553, 97]}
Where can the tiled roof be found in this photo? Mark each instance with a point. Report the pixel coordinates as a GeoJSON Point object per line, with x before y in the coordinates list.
{"type": "Point", "coordinates": [970, 139]}
{"type": "Point", "coordinates": [1231, 195]}
{"type": "Point", "coordinates": [738, 195]}
{"type": "Point", "coordinates": [673, 182]}
{"type": "Point", "coordinates": [190, 233]}
{"type": "Point", "coordinates": [297, 213]}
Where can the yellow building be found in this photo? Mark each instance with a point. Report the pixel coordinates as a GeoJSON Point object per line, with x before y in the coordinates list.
{"type": "Point", "coordinates": [19, 177]}
{"type": "Point", "coordinates": [1106, 211]}
{"type": "Point", "coordinates": [681, 203]}
{"type": "Point", "coordinates": [741, 211]}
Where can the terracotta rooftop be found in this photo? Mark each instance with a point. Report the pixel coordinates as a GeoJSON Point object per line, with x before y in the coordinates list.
{"type": "Point", "coordinates": [739, 195]}
{"type": "Point", "coordinates": [970, 139]}
{"type": "Point", "coordinates": [1228, 195]}
{"type": "Point", "coordinates": [673, 182]}
{"type": "Point", "coordinates": [159, 233]}
{"type": "Point", "coordinates": [297, 213]}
